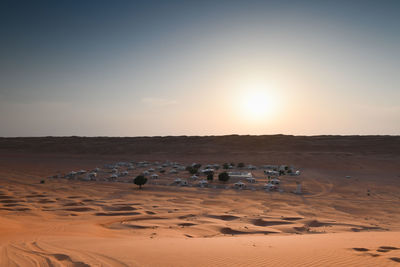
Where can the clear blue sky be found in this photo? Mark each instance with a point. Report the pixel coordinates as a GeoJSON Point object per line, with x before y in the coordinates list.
{"type": "Point", "coordinates": [129, 68]}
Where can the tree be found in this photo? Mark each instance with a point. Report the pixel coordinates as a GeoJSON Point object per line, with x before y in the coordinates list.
{"type": "Point", "coordinates": [240, 165]}
{"type": "Point", "coordinates": [223, 177]}
{"type": "Point", "coordinates": [196, 166]}
{"type": "Point", "coordinates": [140, 180]}
{"type": "Point", "coordinates": [162, 171]}
{"type": "Point", "coordinates": [192, 170]}
{"type": "Point", "coordinates": [226, 166]}
{"type": "Point", "coordinates": [210, 176]}
{"type": "Point", "coordinates": [232, 164]}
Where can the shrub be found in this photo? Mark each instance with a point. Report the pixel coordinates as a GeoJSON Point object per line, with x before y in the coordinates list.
{"type": "Point", "coordinates": [223, 177]}
{"type": "Point", "coordinates": [225, 166]}
{"type": "Point", "coordinates": [240, 165]}
{"type": "Point", "coordinates": [210, 176]}
{"type": "Point", "coordinates": [140, 180]}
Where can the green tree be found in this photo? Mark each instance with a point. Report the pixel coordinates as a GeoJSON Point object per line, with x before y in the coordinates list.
{"type": "Point", "coordinates": [196, 166]}
{"type": "Point", "coordinates": [240, 165]}
{"type": "Point", "coordinates": [140, 180]}
{"type": "Point", "coordinates": [192, 170]}
{"type": "Point", "coordinates": [223, 177]}
{"type": "Point", "coordinates": [226, 166]}
{"type": "Point", "coordinates": [210, 176]}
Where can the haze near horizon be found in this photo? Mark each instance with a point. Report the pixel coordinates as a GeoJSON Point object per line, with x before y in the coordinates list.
{"type": "Point", "coordinates": [138, 68]}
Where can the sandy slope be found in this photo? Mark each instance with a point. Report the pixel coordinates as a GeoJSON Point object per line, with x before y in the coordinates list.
{"type": "Point", "coordinates": [73, 223]}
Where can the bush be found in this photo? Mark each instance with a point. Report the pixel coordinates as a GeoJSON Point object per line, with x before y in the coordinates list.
{"type": "Point", "coordinates": [223, 177]}
{"type": "Point", "coordinates": [42, 181]}
{"type": "Point", "coordinates": [225, 166]}
{"type": "Point", "coordinates": [240, 165]}
{"type": "Point", "coordinates": [140, 180]}
{"type": "Point", "coordinates": [232, 164]}
{"type": "Point", "coordinates": [162, 171]}
{"type": "Point", "coordinates": [210, 176]}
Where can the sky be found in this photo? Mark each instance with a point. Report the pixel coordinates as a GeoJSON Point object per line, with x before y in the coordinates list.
{"type": "Point", "coordinates": [157, 68]}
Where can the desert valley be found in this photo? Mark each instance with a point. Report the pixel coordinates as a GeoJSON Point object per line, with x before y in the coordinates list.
{"type": "Point", "coordinates": [347, 213]}
{"type": "Point", "coordinates": [199, 133]}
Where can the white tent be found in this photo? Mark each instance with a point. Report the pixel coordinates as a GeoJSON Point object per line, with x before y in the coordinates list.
{"type": "Point", "coordinates": [251, 167]}
{"type": "Point", "coordinates": [90, 176]}
{"type": "Point", "coordinates": [271, 173]}
{"type": "Point", "coordinates": [203, 183]}
{"type": "Point", "coordinates": [275, 181]}
{"type": "Point", "coordinates": [251, 180]}
{"type": "Point", "coordinates": [178, 181]}
{"type": "Point", "coordinates": [207, 170]}
{"type": "Point", "coordinates": [240, 185]}
{"type": "Point", "coordinates": [270, 187]}
{"type": "Point", "coordinates": [113, 177]}
{"type": "Point", "coordinates": [241, 175]}
{"type": "Point", "coordinates": [124, 173]}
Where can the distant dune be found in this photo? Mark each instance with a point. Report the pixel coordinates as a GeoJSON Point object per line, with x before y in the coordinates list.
{"type": "Point", "coordinates": [203, 144]}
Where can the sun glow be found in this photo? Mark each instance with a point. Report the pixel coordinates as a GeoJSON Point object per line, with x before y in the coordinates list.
{"type": "Point", "coordinates": [257, 103]}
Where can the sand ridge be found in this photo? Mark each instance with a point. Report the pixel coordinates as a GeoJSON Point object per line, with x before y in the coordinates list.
{"type": "Point", "coordinates": [77, 223]}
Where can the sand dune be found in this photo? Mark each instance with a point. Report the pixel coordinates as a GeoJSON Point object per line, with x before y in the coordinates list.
{"type": "Point", "coordinates": [75, 223]}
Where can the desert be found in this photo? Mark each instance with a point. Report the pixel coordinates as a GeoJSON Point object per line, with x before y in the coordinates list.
{"type": "Point", "coordinates": [347, 215]}
{"type": "Point", "coordinates": [199, 133]}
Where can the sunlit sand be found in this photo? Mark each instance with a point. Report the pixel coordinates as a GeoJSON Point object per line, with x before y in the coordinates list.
{"type": "Point", "coordinates": [346, 215]}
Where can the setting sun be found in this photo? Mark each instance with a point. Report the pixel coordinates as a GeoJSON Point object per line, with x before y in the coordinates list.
{"type": "Point", "coordinates": [257, 105]}
{"type": "Point", "coordinates": [258, 102]}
